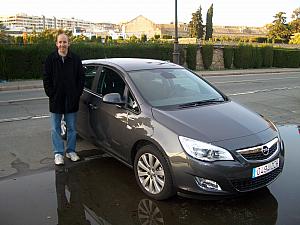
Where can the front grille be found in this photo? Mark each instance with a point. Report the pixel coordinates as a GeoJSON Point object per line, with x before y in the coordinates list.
{"type": "Point", "coordinates": [258, 153]}
{"type": "Point", "coordinates": [248, 184]}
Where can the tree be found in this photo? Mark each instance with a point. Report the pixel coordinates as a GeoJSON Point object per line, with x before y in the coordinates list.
{"type": "Point", "coordinates": [209, 23]}
{"type": "Point", "coordinates": [47, 36]}
{"type": "Point", "coordinates": [80, 38]}
{"type": "Point", "coordinates": [279, 29]}
{"type": "Point", "coordinates": [4, 37]}
{"type": "Point", "coordinates": [133, 39]}
{"type": "Point", "coordinates": [108, 39]}
{"type": "Point", "coordinates": [196, 24]}
{"type": "Point", "coordinates": [295, 24]}
{"type": "Point", "coordinates": [295, 39]}
{"type": "Point", "coordinates": [143, 38]}
{"type": "Point", "coordinates": [296, 14]}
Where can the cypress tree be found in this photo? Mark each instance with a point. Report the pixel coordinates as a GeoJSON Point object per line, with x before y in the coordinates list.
{"type": "Point", "coordinates": [209, 24]}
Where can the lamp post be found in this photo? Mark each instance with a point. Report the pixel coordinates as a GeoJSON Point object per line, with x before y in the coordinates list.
{"type": "Point", "coordinates": [176, 47]}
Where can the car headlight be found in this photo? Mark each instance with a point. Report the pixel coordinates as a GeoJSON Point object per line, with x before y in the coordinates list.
{"type": "Point", "coordinates": [204, 151]}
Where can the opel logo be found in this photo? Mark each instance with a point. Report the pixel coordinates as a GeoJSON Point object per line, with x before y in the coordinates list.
{"type": "Point", "coordinates": [265, 150]}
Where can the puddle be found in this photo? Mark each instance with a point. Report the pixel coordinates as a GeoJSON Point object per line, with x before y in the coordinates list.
{"type": "Point", "coordinates": [100, 190]}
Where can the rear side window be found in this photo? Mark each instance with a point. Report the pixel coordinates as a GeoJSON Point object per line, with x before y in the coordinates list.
{"type": "Point", "coordinates": [90, 73]}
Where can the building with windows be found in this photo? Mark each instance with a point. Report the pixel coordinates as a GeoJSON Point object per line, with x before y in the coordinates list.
{"type": "Point", "coordinates": [21, 22]}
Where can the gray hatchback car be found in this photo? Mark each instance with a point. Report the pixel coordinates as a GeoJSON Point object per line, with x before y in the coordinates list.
{"type": "Point", "coordinates": [178, 132]}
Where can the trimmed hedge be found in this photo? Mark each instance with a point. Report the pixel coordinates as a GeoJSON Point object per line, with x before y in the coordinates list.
{"type": "Point", "coordinates": [26, 62]}
{"type": "Point", "coordinates": [243, 56]}
{"type": "Point", "coordinates": [153, 51]}
{"type": "Point", "coordinates": [207, 51]}
{"type": "Point", "coordinates": [228, 53]}
{"type": "Point", "coordinates": [191, 56]}
{"type": "Point", "coordinates": [23, 62]}
{"type": "Point", "coordinates": [257, 57]}
{"type": "Point", "coordinates": [289, 58]}
{"type": "Point", "coordinates": [267, 54]}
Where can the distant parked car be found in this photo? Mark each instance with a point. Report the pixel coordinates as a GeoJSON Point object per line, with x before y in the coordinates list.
{"type": "Point", "coordinates": [178, 132]}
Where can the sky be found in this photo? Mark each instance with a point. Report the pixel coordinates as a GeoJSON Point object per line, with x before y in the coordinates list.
{"type": "Point", "coordinates": [226, 12]}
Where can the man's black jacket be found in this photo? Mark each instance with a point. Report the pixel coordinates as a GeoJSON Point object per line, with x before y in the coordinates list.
{"type": "Point", "coordinates": [63, 82]}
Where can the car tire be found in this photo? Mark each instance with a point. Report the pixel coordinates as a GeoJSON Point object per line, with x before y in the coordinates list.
{"type": "Point", "coordinates": [64, 131]}
{"type": "Point", "coordinates": [152, 173]}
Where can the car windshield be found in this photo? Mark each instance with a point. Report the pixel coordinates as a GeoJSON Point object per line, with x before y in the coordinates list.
{"type": "Point", "coordinates": [174, 87]}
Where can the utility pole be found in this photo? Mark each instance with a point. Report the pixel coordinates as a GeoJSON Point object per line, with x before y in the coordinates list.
{"type": "Point", "coordinates": [176, 46]}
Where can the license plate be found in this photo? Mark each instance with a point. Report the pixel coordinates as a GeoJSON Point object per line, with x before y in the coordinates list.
{"type": "Point", "coordinates": [264, 169]}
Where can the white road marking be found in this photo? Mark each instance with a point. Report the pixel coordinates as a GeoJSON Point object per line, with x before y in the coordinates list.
{"type": "Point", "coordinates": [265, 90]}
{"type": "Point", "coordinates": [251, 74]}
{"type": "Point", "coordinates": [24, 118]}
{"type": "Point", "coordinates": [253, 80]}
{"type": "Point", "coordinates": [23, 100]}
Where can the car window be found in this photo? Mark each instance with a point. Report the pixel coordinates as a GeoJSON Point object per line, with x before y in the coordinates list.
{"type": "Point", "coordinates": [90, 73]}
{"type": "Point", "coordinates": [165, 87]}
{"type": "Point", "coordinates": [110, 82]}
{"type": "Point", "coordinates": [131, 103]}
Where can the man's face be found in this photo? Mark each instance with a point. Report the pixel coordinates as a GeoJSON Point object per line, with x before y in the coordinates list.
{"type": "Point", "coordinates": [62, 44]}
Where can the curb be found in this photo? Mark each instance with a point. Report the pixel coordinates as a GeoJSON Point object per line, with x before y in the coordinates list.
{"type": "Point", "coordinates": [19, 87]}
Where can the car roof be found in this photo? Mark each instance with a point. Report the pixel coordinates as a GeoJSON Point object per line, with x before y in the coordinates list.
{"type": "Point", "coordinates": [131, 64]}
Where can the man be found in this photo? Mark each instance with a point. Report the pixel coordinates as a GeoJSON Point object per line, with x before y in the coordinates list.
{"type": "Point", "coordinates": [63, 84]}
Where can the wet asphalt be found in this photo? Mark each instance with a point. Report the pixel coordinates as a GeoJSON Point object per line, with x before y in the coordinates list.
{"type": "Point", "coordinates": [99, 190]}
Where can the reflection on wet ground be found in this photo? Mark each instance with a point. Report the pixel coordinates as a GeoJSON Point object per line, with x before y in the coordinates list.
{"type": "Point", "coordinates": [101, 190]}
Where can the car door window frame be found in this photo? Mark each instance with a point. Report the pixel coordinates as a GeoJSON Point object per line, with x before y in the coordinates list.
{"type": "Point", "coordinates": [95, 79]}
{"type": "Point", "coordinates": [125, 96]}
{"type": "Point", "coordinates": [100, 82]}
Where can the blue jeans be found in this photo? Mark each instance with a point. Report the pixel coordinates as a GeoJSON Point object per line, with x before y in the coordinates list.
{"type": "Point", "coordinates": [57, 141]}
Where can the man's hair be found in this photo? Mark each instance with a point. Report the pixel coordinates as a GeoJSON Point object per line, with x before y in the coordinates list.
{"type": "Point", "coordinates": [62, 32]}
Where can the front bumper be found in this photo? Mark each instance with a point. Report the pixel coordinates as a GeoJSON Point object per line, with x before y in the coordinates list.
{"type": "Point", "coordinates": [233, 177]}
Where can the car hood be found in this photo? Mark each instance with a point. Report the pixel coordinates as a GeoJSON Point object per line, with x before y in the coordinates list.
{"type": "Point", "coordinates": [212, 123]}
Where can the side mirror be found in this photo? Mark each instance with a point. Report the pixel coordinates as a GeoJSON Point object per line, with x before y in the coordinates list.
{"type": "Point", "coordinates": [113, 98]}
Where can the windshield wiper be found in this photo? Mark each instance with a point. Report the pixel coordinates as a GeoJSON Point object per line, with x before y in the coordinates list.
{"type": "Point", "coordinates": [203, 102]}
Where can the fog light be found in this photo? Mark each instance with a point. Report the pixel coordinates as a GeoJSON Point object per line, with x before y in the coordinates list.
{"type": "Point", "coordinates": [208, 185]}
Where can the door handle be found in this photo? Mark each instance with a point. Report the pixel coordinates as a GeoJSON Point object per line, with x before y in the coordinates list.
{"type": "Point", "coordinates": [93, 107]}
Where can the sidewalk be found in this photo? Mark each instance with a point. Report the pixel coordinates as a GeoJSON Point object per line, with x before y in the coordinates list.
{"type": "Point", "coordinates": [31, 84]}
{"type": "Point", "coordinates": [20, 84]}
{"type": "Point", "coordinates": [247, 71]}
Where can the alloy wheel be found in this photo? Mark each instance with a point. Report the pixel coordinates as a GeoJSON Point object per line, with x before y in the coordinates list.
{"type": "Point", "coordinates": [151, 173]}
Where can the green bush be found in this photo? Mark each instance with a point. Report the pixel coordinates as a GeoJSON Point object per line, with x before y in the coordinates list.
{"type": "Point", "coordinates": [267, 54]}
{"type": "Point", "coordinates": [257, 57]}
{"type": "Point", "coordinates": [243, 56]}
{"type": "Point", "coordinates": [167, 36]}
{"type": "Point", "coordinates": [143, 38]}
{"type": "Point", "coordinates": [259, 39]}
{"type": "Point", "coordinates": [26, 62]}
{"type": "Point", "coordinates": [286, 58]}
{"type": "Point", "coordinates": [228, 53]}
{"type": "Point", "coordinates": [191, 56]}
{"type": "Point", "coordinates": [3, 74]}
{"type": "Point", "coordinates": [207, 51]}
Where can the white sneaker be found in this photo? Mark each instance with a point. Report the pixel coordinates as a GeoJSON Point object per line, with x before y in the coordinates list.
{"type": "Point", "coordinates": [73, 156]}
{"type": "Point", "coordinates": [58, 159]}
